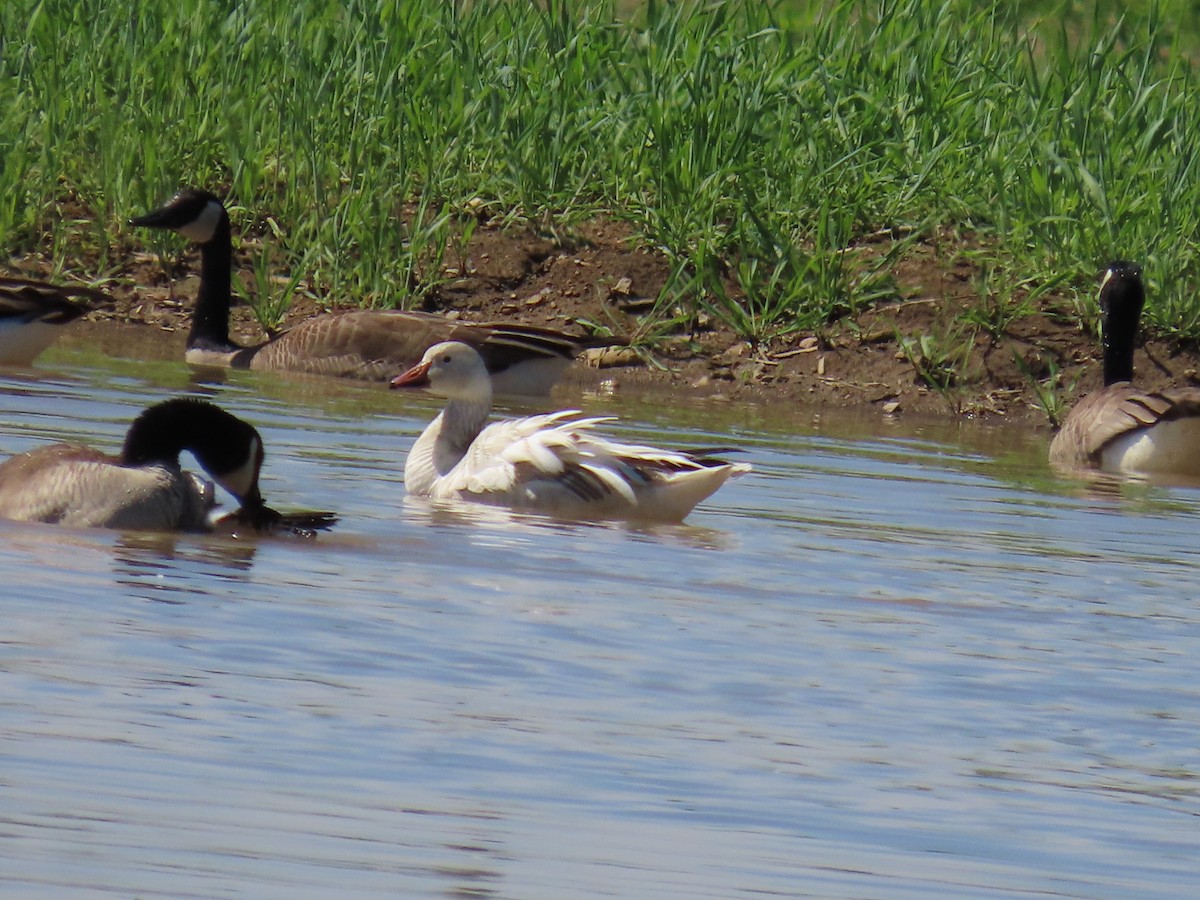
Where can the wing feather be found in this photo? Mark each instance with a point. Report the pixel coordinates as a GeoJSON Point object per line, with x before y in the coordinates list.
{"type": "Point", "coordinates": [1113, 411]}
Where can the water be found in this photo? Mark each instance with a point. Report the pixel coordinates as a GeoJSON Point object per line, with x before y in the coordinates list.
{"type": "Point", "coordinates": [899, 660]}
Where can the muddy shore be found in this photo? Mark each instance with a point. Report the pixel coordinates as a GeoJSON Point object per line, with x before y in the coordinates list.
{"type": "Point", "coordinates": [869, 361]}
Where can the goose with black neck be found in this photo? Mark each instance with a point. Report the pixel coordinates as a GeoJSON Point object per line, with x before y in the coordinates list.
{"type": "Point", "coordinates": [364, 344]}
{"type": "Point", "coordinates": [1120, 427]}
{"type": "Point", "coordinates": [144, 486]}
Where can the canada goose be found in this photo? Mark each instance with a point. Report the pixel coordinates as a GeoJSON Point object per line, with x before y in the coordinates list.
{"type": "Point", "coordinates": [367, 344]}
{"type": "Point", "coordinates": [553, 463]}
{"type": "Point", "coordinates": [1120, 428]}
{"type": "Point", "coordinates": [144, 486]}
{"type": "Point", "coordinates": [33, 313]}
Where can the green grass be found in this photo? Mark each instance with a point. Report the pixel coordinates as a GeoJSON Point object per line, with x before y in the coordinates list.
{"type": "Point", "coordinates": [763, 148]}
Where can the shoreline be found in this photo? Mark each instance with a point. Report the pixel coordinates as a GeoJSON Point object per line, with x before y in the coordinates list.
{"type": "Point", "coordinates": [924, 352]}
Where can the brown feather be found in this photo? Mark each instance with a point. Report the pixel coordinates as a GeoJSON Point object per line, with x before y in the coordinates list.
{"type": "Point", "coordinates": [41, 301]}
{"type": "Point", "coordinates": [79, 486]}
{"type": "Point", "coordinates": [1113, 411]}
{"type": "Point", "coordinates": [376, 344]}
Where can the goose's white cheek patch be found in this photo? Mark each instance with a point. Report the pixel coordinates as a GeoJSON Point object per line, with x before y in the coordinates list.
{"type": "Point", "coordinates": [202, 228]}
{"type": "Point", "coordinates": [241, 480]}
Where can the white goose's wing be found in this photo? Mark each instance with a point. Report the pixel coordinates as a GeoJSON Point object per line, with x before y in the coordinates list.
{"type": "Point", "coordinates": [558, 463]}
{"type": "Point", "coordinates": [508, 453]}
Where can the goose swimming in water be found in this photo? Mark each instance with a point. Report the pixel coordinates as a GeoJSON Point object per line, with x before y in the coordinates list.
{"type": "Point", "coordinates": [144, 487]}
{"type": "Point", "coordinates": [33, 314]}
{"type": "Point", "coordinates": [367, 344]}
{"type": "Point", "coordinates": [553, 463]}
{"type": "Point", "coordinates": [1122, 428]}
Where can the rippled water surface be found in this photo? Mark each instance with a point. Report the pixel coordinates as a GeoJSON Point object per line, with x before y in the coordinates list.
{"type": "Point", "coordinates": [898, 660]}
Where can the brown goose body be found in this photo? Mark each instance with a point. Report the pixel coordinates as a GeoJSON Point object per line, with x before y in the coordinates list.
{"type": "Point", "coordinates": [1120, 427]}
{"type": "Point", "coordinates": [70, 484]}
{"type": "Point", "coordinates": [366, 344]}
{"type": "Point", "coordinates": [374, 344]}
{"type": "Point", "coordinates": [33, 314]}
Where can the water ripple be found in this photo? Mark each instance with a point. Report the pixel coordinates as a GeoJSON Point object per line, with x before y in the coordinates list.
{"type": "Point", "coordinates": [886, 663]}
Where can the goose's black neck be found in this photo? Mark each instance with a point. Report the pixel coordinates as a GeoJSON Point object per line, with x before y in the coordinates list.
{"type": "Point", "coordinates": [1121, 299]}
{"type": "Point", "coordinates": [221, 442]}
{"type": "Point", "coordinates": [210, 324]}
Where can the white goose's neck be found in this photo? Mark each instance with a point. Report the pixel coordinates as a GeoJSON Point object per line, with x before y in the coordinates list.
{"type": "Point", "coordinates": [462, 420]}
{"type": "Point", "coordinates": [444, 443]}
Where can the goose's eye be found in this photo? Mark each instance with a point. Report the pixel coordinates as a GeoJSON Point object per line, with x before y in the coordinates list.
{"type": "Point", "coordinates": [446, 359]}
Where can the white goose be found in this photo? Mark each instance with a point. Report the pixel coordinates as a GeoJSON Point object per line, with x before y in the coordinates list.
{"type": "Point", "coordinates": [553, 463]}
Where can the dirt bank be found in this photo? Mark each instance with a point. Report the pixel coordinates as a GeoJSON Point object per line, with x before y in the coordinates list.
{"type": "Point", "coordinates": [884, 358]}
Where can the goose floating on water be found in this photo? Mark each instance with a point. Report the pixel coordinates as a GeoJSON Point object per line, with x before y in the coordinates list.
{"type": "Point", "coordinates": [367, 344]}
{"type": "Point", "coordinates": [33, 313]}
{"type": "Point", "coordinates": [1121, 428]}
{"type": "Point", "coordinates": [553, 463]}
{"type": "Point", "coordinates": [144, 487]}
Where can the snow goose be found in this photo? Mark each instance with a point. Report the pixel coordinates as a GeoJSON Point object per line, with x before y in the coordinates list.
{"type": "Point", "coordinates": [33, 313]}
{"type": "Point", "coordinates": [553, 463]}
{"type": "Point", "coordinates": [144, 487]}
{"type": "Point", "coordinates": [1121, 428]}
{"type": "Point", "coordinates": [366, 344]}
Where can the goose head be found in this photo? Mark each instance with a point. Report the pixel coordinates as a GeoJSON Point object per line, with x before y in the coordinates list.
{"type": "Point", "coordinates": [452, 370]}
{"type": "Point", "coordinates": [228, 449]}
{"type": "Point", "coordinates": [197, 215]}
{"type": "Point", "coordinates": [1122, 296]}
